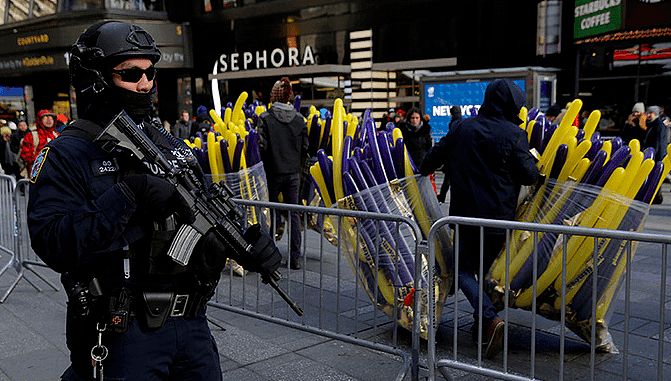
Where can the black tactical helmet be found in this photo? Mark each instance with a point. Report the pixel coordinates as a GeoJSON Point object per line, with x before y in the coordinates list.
{"type": "Point", "coordinates": [101, 47]}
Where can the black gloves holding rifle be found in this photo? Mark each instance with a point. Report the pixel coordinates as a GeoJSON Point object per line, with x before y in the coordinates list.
{"type": "Point", "coordinates": [160, 199]}
{"type": "Point", "coordinates": [157, 197]}
{"type": "Point", "coordinates": [265, 256]}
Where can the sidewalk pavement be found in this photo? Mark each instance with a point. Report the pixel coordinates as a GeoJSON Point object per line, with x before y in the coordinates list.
{"type": "Point", "coordinates": [32, 333]}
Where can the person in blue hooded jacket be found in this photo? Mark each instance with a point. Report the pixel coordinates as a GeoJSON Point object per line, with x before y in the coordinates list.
{"type": "Point", "coordinates": [487, 159]}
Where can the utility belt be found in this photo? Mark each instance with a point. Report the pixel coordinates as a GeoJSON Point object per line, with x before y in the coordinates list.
{"type": "Point", "coordinates": [151, 309]}
{"type": "Point", "coordinates": [115, 306]}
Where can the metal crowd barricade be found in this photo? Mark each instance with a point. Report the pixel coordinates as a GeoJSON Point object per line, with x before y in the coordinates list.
{"type": "Point", "coordinates": [24, 256]}
{"type": "Point", "coordinates": [335, 306]}
{"type": "Point", "coordinates": [505, 371]}
{"type": "Point", "coordinates": [7, 221]}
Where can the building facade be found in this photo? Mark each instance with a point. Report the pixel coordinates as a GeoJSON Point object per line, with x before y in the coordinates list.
{"type": "Point", "coordinates": [378, 55]}
{"type": "Point", "coordinates": [36, 37]}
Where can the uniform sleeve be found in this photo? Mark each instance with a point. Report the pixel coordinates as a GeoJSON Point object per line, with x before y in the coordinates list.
{"type": "Point", "coordinates": [68, 224]}
{"type": "Point", "coordinates": [523, 165]}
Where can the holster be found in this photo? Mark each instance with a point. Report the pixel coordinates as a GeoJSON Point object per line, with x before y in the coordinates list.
{"type": "Point", "coordinates": [154, 308]}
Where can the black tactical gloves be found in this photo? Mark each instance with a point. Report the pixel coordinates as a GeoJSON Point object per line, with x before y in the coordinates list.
{"type": "Point", "coordinates": [156, 197]}
{"type": "Point", "coordinates": [265, 256]}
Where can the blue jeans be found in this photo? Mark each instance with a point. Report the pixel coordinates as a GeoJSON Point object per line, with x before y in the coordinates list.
{"type": "Point", "coordinates": [469, 266]}
{"type": "Point", "coordinates": [288, 184]}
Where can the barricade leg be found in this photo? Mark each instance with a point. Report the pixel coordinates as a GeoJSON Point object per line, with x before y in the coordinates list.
{"type": "Point", "coordinates": [29, 266]}
{"type": "Point", "coordinates": [25, 258]}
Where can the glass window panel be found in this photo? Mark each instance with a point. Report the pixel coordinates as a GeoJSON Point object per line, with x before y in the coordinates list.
{"type": "Point", "coordinates": [154, 5]}
{"type": "Point", "coordinates": [126, 5]}
{"type": "Point", "coordinates": [79, 5]}
{"type": "Point", "coordinates": [44, 7]}
{"type": "Point", "coordinates": [18, 10]}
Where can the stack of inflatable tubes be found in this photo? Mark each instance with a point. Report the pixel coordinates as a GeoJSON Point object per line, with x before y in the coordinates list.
{"type": "Point", "coordinates": [230, 153]}
{"type": "Point", "coordinates": [371, 171]}
{"type": "Point", "coordinates": [591, 182]}
{"type": "Point", "coordinates": [232, 145]}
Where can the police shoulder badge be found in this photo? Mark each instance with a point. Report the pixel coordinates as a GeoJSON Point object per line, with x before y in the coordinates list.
{"type": "Point", "coordinates": [37, 164]}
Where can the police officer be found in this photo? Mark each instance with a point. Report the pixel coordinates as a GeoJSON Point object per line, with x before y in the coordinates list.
{"type": "Point", "coordinates": [104, 220]}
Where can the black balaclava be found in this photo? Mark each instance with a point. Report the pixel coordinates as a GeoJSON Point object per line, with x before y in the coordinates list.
{"type": "Point", "coordinates": [105, 106]}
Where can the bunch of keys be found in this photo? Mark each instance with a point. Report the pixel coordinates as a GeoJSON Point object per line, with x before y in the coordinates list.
{"type": "Point", "coordinates": [98, 354]}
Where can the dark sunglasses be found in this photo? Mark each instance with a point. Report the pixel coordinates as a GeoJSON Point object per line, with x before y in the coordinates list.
{"type": "Point", "coordinates": [135, 74]}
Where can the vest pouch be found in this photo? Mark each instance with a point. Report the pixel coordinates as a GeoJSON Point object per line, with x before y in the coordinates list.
{"type": "Point", "coordinates": [159, 260]}
{"type": "Point", "coordinates": [155, 308]}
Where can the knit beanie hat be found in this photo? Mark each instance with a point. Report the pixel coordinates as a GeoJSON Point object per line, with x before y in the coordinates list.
{"type": "Point", "coordinates": [640, 107]}
{"type": "Point", "coordinates": [281, 91]}
{"type": "Point", "coordinates": [656, 110]}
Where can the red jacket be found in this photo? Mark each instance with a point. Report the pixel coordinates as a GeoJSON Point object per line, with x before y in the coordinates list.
{"type": "Point", "coordinates": [28, 149]}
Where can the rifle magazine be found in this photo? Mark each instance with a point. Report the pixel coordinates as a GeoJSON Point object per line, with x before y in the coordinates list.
{"type": "Point", "coordinates": [183, 244]}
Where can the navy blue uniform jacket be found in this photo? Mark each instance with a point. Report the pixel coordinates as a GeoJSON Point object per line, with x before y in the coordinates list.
{"type": "Point", "coordinates": [80, 220]}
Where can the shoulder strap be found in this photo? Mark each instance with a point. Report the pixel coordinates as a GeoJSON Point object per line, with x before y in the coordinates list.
{"type": "Point", "coordinates": [82, 128]}
{"type": "Point", "coordinates": [36, 141]}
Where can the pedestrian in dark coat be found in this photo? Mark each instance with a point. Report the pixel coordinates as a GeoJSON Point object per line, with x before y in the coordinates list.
{"type": "Point", "coordinates": [416, 135]}
{"type": "Point", "coordinates": [283, 142]}
{"type": "Point", "coordinates": [488, 158]}
{"type": "Point", "coordinates": [455, 113]}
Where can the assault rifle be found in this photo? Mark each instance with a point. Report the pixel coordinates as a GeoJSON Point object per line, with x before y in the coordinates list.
{"type": "Point", "coordinates": [214, 211]}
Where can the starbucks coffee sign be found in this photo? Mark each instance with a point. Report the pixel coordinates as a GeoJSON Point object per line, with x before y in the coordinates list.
{"type": "Point", "coordinates": [596, 16]}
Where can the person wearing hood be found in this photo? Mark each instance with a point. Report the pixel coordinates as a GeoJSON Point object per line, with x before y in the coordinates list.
{"type": "Point", "coordinates": [283, 142]}
{"type": "Point", "coordinates": [416, 135]}
{"type": "Point", "coordinates": [32, 143]}
{"type": "Point", "coordinates": [487, 159]}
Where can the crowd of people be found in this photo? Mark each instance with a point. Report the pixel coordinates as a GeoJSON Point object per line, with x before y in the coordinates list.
{"type": "Point", "coordinates": [21, 143]}
{"type": "Point", "coordinates": [649, 125]}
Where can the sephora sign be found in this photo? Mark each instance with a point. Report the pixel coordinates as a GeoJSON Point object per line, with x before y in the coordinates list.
{"type": "Point", "coordinates": [264, 59]}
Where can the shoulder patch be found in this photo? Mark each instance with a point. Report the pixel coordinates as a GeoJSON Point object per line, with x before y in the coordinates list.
{"type": "Point", "coordinates": [37, 164]}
